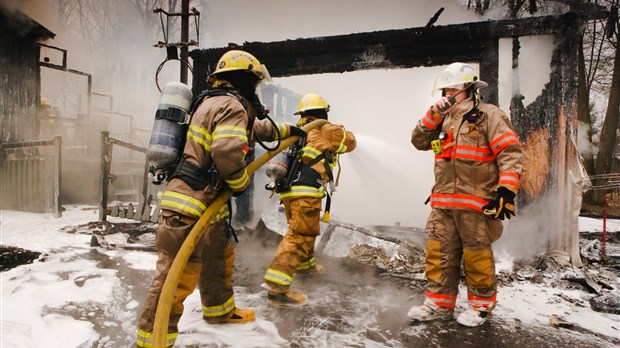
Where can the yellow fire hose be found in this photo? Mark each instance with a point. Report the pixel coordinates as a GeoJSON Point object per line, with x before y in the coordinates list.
{"type": "Point", "coordinates": [164, 305]}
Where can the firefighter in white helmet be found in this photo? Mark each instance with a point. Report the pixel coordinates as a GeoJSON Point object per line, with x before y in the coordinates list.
{"type": "Point", "coordinates": [302, 202]}
{"type": "Point", "coordinates": [477, 170]}
{"type": "Point", "coordinates": [214, 156]}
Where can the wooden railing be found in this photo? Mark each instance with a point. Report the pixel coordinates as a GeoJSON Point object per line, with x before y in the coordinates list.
{"type": "Point", "coordinates": [31, 182]}
{"type": "Point", "coordinates": [143, 211]}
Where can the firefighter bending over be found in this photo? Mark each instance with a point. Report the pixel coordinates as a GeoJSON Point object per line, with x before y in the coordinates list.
{"type": "Point", "coordinates": [477, 169]}
{"type": "Point", "coordinates": [214, 156]}
{"type": "Point", "coordinates": [302, 202]}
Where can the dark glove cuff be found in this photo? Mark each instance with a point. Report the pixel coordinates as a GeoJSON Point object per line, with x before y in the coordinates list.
{"type": "Point", "coordinates": [504, 192]}
{"type": "Point", "coordinates": [296, 131]}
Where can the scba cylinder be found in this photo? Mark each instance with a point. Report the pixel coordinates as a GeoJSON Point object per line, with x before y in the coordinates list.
{"type": "Point", "coordinates": [277, 167]}
{"type": "Point", "coordinates": [169, 129]}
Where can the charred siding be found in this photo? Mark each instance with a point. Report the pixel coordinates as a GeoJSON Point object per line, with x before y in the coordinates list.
{"type": "Point", "coordinates": [19, 76]}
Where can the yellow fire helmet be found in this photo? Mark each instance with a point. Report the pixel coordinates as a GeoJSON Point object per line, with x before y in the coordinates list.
{"type": "Point", "coordinates": [459, 76]}
{"type": "Point", "coordinates": [240, 60]}
{"type": "Point", "coordinates": [312, 101]}
{"type": "Point", "coordinates": [45, 102]}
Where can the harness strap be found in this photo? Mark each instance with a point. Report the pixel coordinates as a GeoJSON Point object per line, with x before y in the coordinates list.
{"type": "Point", "coordinates": [216, 92]}
{"type": "Point", "coordinates": [173, 114]}
{"type": "Point", "coordinates": [308, 177]}
{"type": "Point", "coordinates": [197, 177]}
{"type": "Point", "coordinates": [329, 158]}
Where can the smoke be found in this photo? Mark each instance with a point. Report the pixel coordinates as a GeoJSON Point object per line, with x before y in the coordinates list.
{"type": "Point", "coordinates": [584, 146]}
{"type": "Point", "coordinates": [113, 42]}
{"type": "Point", "coordinates": [526, 237]}
{"type": "Point", "coordinates": [532, 73]}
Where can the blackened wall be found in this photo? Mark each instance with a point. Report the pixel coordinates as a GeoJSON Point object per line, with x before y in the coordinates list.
{"type": "Point", "coordinates": [19, 76]}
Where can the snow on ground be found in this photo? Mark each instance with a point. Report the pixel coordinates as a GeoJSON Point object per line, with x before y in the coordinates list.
{"type": "Point", "coordinates": [587, 224]}
{"type": "Point", "coordinates": [72, 297]}
{"type": "Point", "coordinates": [533, 304]}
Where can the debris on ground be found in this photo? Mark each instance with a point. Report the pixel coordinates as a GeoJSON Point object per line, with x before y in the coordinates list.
{"type": "Point", "coordinates": [131, 236]}
{"type": "Point", "coordinates": [557, 321]}
{"type": "Point", "coordinates": [11, 257]}
{"type": "Point", "coordinates": [407, 262]}
{"type": "Point", "coordinates": [606, 303]}
{"type": "Point", "coordinates": [597, 278]}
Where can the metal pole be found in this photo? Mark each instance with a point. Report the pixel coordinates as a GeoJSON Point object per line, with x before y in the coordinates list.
{"type": "Point", "coordinates": [184, 39]}
{"type": "Point", "coordinates": [604, 241]}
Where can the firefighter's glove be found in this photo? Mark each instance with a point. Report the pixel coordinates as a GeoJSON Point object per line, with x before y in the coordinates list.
{"type": "Point", "coordinates": [296, 131]}
{"type": "Point", "coordinates": [503, 206]}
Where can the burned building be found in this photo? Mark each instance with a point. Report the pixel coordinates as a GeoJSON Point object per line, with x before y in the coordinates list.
{"type": "Point", "coordinates": [547, 127]}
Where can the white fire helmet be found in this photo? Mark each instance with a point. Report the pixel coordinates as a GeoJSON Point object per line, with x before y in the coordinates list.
{"type": "Point", "coordinates": [459, 76]}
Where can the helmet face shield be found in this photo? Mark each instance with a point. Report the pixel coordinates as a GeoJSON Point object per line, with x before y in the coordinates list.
{"type": "Point", "coordinates": [266, 76]}
{"type": "Point", "coordinates": [458, 76]}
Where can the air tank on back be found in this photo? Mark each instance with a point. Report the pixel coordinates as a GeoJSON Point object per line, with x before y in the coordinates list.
{"type": "Point", "coordinates": [279, 170]}
{"type": "Point", "coordinates": [277, 167]}
{"type": "Point", "coordinates": [169, 130]}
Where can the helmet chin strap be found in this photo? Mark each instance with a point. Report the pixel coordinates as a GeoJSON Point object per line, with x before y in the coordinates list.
{"type": "Point", "coordinates": [472, 115]}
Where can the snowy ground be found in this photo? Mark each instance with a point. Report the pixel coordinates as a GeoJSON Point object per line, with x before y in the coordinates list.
{"type": "Point", "coordinates": [76, 295]}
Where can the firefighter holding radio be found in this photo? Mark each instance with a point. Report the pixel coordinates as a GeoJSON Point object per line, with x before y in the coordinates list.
{"type": "Point", "coordinates": [477, 170]}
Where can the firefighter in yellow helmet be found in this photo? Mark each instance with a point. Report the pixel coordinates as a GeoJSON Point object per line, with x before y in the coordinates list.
{"type": "Point", "coordinates": [477, 170]}
{"type": "Point", "coordinates": [303, 201]}
{"type": "Point", "coordinates": [214, 156]}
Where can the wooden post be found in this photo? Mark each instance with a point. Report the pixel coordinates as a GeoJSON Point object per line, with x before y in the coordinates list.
{"type": "Point", "coordinates": [566, 162]}
{"type": "Point", "coordinates": [489, 62]}
{"type": "Point", "coordinates": [145, 190]}
{"type": "Point", "coordinates": [58, 177]}
{"type": "Point", "coordinates": [106, 159]}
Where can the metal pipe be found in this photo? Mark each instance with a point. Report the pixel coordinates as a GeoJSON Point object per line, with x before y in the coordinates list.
{"type": "Point", "coordinates": [184, 40]}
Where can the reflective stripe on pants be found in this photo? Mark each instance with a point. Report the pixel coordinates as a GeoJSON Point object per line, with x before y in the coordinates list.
{"type": "Point", "coordinates": [454, 234]}
{"type": "Point", "coordinates": [297, 246]}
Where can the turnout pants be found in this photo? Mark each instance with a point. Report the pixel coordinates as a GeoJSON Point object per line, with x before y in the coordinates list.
{"type": "Point", "coordinates": [454, 234]}
{"type": "Point", "coordinates": [296, 250]}
{"type": "Point", "coordinates": [210, 266]}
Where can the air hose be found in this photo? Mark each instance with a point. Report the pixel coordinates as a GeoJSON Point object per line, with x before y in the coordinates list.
{"type": "Point", "coordinates": [164, 305]}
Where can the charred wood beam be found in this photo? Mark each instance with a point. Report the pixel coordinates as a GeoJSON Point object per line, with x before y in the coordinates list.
{"type": "Point", "coordinates": [390, 49]}
{"type": "Point", "coordinates": [435, 18]}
